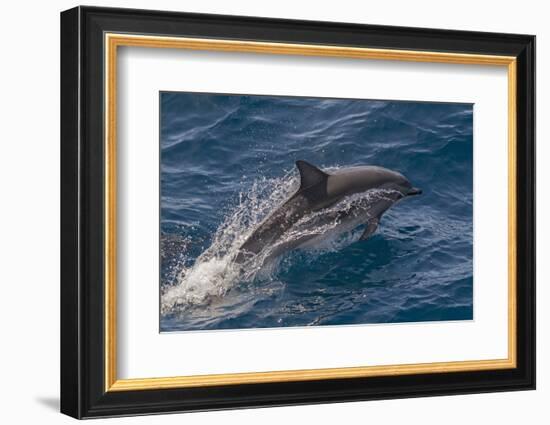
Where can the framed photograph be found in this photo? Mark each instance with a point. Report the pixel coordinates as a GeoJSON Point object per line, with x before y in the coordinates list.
{"type": "Point", "coordinates": [261, 212]}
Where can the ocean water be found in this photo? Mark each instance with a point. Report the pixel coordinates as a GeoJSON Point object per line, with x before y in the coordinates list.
{"type": "Point", "coordinates": [227, 161]}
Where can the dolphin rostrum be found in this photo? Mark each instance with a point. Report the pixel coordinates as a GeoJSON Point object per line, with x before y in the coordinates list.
{"type": "Point", "coordinates": [345, 199]}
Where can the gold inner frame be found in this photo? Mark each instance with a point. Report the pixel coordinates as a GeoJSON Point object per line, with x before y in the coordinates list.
{"type": "Point", "coordinates": [113, 41]}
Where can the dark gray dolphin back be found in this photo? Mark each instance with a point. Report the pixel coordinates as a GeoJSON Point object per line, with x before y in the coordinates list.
{"type": "Point", "coordinates": [312, 192]}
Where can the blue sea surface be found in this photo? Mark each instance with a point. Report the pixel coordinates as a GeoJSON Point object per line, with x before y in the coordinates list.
{"type": "Point", "coordinates": [228, 160]}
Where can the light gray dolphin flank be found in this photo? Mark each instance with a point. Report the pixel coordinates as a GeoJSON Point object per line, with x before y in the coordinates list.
{"type": "Point", "coordinates": [339, 201]}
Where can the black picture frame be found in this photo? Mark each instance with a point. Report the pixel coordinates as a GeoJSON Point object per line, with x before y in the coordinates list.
{"type": "Point", "coordinates": [83, 392]}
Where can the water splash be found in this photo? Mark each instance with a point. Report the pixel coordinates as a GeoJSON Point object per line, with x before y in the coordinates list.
{"type": "Point", "coordinates": [214, 273]}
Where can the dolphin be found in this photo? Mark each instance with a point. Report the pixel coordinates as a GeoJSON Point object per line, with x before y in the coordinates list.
{"type": "Point", "coordinates": [365, 191]}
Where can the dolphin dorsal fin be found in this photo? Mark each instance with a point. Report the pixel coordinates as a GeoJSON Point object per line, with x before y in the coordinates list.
{"type": "Point", "coordinates": [310, 175]}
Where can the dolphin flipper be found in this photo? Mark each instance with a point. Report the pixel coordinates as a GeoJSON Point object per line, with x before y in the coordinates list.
{"type": "Point", "coordinates": [370, 229]}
